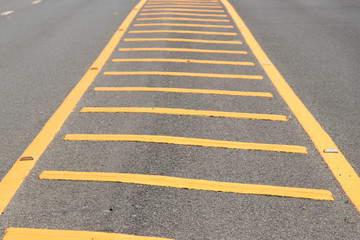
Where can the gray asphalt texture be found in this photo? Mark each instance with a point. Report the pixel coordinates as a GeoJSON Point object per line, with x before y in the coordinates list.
{"type": "Point", "coordinates": [45, 50]}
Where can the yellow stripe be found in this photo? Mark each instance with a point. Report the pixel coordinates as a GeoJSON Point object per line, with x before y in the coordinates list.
{"type": "Point", "coordinates": [183, 90]}
{"type": "Point", "coordinates": [181, 10]}
{"type": "Point", "coordinates": [337, 163]}
{"type": "Point", "coordinates": [182, 50]}
{"type": "Point", "coordinates": [179, 40]}
{"type": "Point", "coordinates": [182, 3]}
{"type": "Point", "coordinates": [189, 112]}
{"type": "Point", "coordinates": [46, 234]}
{"type": "Point", "coordinates": [184, 61]}
{"type": "Point", "coordinates": [187, 141]}
{"type": "Point", "coordinates": [16, 175]}
{"type": "Point", "coordinates": [183, 6]}
{"type": "Point", "coordinates": [185, 14]}
{"type": "Point", "coordinates": [186, 74]}
{"type": "Point", "coordinates": [182, 25]}
{"type": "Point", "coordinates": [186, 183]}
{"type": "Point", "coordinates": [185, 31]}
{"type": "Point", "coordinates": [154, 1]}
{"type": "Point", "coordinates": [184, 19]}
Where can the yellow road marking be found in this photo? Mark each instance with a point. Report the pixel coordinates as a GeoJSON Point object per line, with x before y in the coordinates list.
{"type": "Point", "coordinates": [181, 10]}
{"type": "Point", "coordinates": [183, 6]}
{"type": "Point", "coordinates": [154, 1]}
{"type": "Point", "coordinates": [47, 234]}
{"type": "Point", "coordinates": [185, 61]}
{"type": "Point", "coordinates": [182, 3]}
{"type": "Point", "coordinates": [187, 141]}
{"type": "Point", "coordinates": [182, 50]}
{"type": "Point", "coordinates": [185, 31]}
{"type": "Point", "coordinates": [183, 90]}
{"type": "Point", "coordinates": [189, 112]}
{"type": "Point", "coordinates": [184, 19]}
{"type": "Point", "coordinates": [185, 14]}
{"type": "Point", "coordinates": [16, 175]}
{"type": "Point", "coordinates": [337, 163]}
{"type": "Point", "coordinates": [195, 184]}
{"type": "Point", "coordinates": [179, 40]}
{"type": "Point", "coordinates": [185, 74]}
{"type": "Point", "coordinates": [181, 25]}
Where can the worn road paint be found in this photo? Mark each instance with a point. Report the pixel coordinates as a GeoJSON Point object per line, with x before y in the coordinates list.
{"type": "Point", "coordinates": [189, 112]}
{"type": "Point", "coordinates": [185, 14]}
{"type": "Point", "coordinates": [47, 234]}
{"type": "Point", "coordinates": [181, 25]}
{"type": "Point", "coordinates": [181, 10]}
{"type": "Point", "coordinates": [184, 6]}
{"type": "Point", "coordinates": [182, 50]}
{"type": "Point", "coordinates": [7, 13]}
{"type": "Point", "coordinates": [185, 61]}
{"type": "Point", "coordinates": [182, 90]}
{"type": "Point", "coordinates": [183, 19]}
{"type": "Point", "coordinates": [187, 141]}
{"type": "Point", "coordinates": [18, 172]}
{"type": "Point", "coordinates": [182, 3]}
{"type": "Point", "coordinates": [337, 163]}
{"type": "Point", "coordinates": [195, 184]}
{"type": "Point", "coordinates": [36, 2]}
{"type": "Point", "coordinates": [185, 31]}
{"type": "Point", "coordinates": [180, 40]}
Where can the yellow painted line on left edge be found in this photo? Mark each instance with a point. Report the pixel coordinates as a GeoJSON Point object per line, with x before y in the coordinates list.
{"type": "Point", "coordinates": [336, 161]}
{"type": "Point", "coordinates": [18, 172]}
{"type": "Point", "coordinates": [186, 183]}
{"type": "Point", "coordinates": [185, 31]}
{"type": "Point", "coordinates": [53, 234]}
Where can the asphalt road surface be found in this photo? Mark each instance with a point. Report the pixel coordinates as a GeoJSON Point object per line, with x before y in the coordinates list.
{"type": "Point", "coordinates": [178, 94]}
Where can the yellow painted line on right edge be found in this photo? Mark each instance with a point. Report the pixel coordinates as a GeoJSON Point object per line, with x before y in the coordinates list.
{"type": "Point", "coordinates": [187, 141]}
{"type": "Point", "coordinates": [186, 183]}
{"type": "Point", "coordinates": [336, 161]}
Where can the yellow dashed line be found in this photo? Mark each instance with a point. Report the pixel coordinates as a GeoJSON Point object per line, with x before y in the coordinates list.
{"type": "Point", "coordinates": [184, 19]}
{"type": "Point", "coordinates": [186, 183]}
{"type": "Point", "coordinates": [182, 90]}
{"type": "Point", "coordinates": [182, 50]}
{"type": "Point", "coordinates": [189, 112]}
{"type": "Point", "coordinates": [182, 25]}
{"type": "Point", "coordinates": [185, 14]}
{"type": "Point", "coordinates": [184, 74]}
{"type": "Point", "coordinates": [185, 32]}
{"type": "Point", "coordinates": [187, 141]}
{"type": "Point", "coordinates": [185, 61]}
{"type": "Point", "coordinates": [179, 40]}
{"type": "Point", "coordinates": [182, 10]}
{"type": "Point", "coordinates": [46, 234]}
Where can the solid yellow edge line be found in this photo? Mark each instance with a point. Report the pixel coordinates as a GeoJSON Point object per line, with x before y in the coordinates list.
{"type": "Point", "coordinates": [185, 31]}
{"type": "Point", "coordinates": [175, 182]}
{"type": "Point", "coordinates": [16, 175]}
{"type": "Point", "coordinates": [183, 90]}
{"type": "Point", "coordinates": [181, 10]}
{"type": "Point", "coordinates": [184, 61]}
{"type": "Point", "coordinates": [183, 6]}
{"type": "Point", "coordinates": [183, 50]}
{"type": "Point", "coordinates": [184, 19]}
{"type": "Point", "coordinates": [337, 163]}
{"type": "Point", "coordinates": [187, 141]}
{"type": "Point", "coordinates": [185, 14]}
{"type": "Point", "coordinates": [186, 74]}
{"type": "Point", "coordinates": [181, 25]}
{"type": "Point", "coordinates": [54, 234]}
{"type": "Point", "coordinates": [190, 112]}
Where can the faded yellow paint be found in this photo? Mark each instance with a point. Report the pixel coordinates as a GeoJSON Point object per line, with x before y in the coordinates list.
{"type": "Point", "coordinates": [183, 50]}
{"type": "Point", "coordinates": [187, 141]}
{"type": "Point", "coordinates": [182, 90]}
{"type": "Point", "coordinates": [175, 182]}
{"type": "Point", "coordinates": [185, 61]}
{"type": "Point", "coordinates": [185, 14]}
{"type": "Point", "coordinates": [190, 112]}
{"type": "Point", "coordinates": [182, 3]}
{"type": "Point", "coordinates": [186, 32]}
{"type": "Point", "coordinates": [180, 40]}
{"type": "Point", "coordinates": [182, 10]}
{"type": "Point", "coordinates": [337, 163]}
{"type": "Point", "coordinates": [183, 19]}
{"type": "Point", "coordinates": [184, 6]}
{"type": "Point", "coordinates": [47, 234]}
{"type": "Point", "coordinates": [181, 25]}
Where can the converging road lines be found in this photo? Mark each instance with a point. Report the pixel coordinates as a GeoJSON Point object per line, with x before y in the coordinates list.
{"type": "Point", "coordinates": [181, 25]}
{"type": "Point", "coordinates": [185, 61]}
{"type": "Point", "coordinates": [182, 50]}
{"type": "Point", "coordinates": [189, 112]}
{"type": "Point", "coordinates": [187, 141]}
{"type": "Point", "coordinates": [183, 19]}
{"type": "Point", "coordinates": [179, 40]}
{"type": "Point", "coordinates": [182, 90]}
{"type": "Point", "coordinates": [182, 10]}
{"type": "Point", "coordinates": [185, 14]}
{"type": "Point", "coordinates": [185, 74]}
{"type": "Point", "coordinates": [184, 31]}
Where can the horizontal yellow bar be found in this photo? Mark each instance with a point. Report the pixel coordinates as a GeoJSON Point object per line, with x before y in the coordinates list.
{"type": "Point", "coordinates": [185, 32]}
{"type": "Point", "coordinates": [185, 74]}
{"type": "Point", "coordinates": [182, 10]}
{"type": "Point", "coordinates": [181, 25]}
{"type": "Point", "coordinates": [186, 183]}
{"type": "Point", "coordinates": [179, 40]}
{"type": "Point", "coordinates": [187, 141]}
{"type": "Point", "coordinates": [182, 50]}
{"type": "Point", "coordinates": [185, 14]}
{"type": "Point", "coordinates": [189, 112]}
{"type": "Point", "coordinates": [47, 234]}
{"type": "Point", "coordinates": [183, 90]}
{"type": "Point", "coordinates": [184, 19]}
{"type": "Point", "coordinates": [185, 61]}
{"type": "Point", "coordinates": [182, 3]}
{"type": "Point", "coordinates": [154, 1]}
{"type": "Point", "coordinates": [184, 6]}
